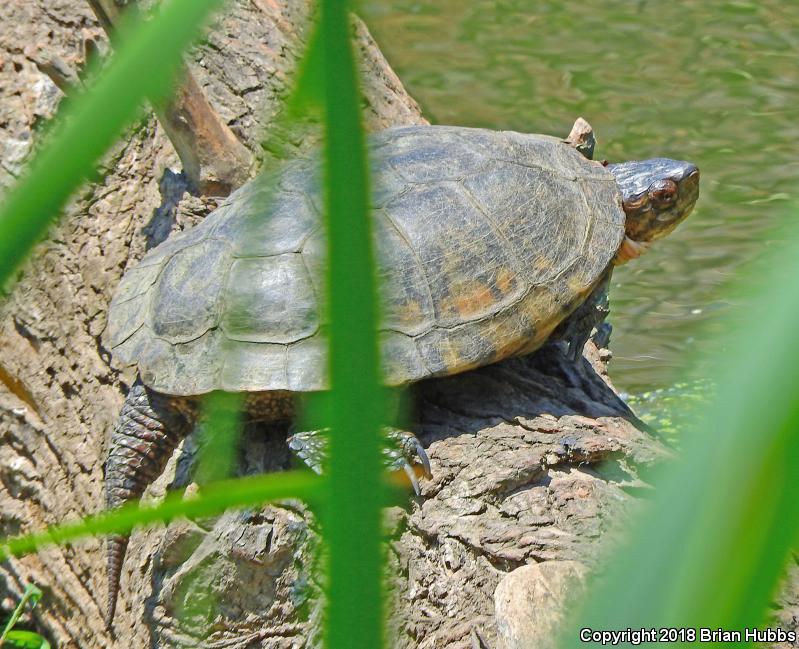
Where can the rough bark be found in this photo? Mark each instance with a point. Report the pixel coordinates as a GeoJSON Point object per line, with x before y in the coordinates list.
{"type": "Point", "coordinates": [534, 459]}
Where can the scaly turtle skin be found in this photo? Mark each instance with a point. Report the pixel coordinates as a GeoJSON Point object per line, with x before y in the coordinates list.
{"type": "Point", "coordinates": [487, 242]}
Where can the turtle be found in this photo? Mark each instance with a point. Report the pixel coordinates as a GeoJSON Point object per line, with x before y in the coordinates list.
{"type": "Point", "coordinates": [489, 243]}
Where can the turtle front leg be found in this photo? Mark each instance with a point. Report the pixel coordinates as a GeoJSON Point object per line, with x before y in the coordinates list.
{"type": "Point", "coordinates": [147, 432]}
{"type": "Point", "coordinates": [577, 328]}
{"type": "Point", "coordinates": [402, 452]}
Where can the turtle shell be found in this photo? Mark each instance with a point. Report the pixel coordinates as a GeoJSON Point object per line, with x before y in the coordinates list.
{"type": "Point", "coordinates": [486, 241]}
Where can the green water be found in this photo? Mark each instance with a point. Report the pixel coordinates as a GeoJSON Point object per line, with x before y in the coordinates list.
{"type": "Point", "coordinates": [711, 82]}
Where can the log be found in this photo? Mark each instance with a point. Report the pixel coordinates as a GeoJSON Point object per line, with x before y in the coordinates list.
{"type": "Point", "coordinates": [214, 161]}
{"type": "Point", "coordinates": [534, 459]}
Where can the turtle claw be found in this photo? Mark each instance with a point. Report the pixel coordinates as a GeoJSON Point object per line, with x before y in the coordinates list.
{"type": "Point", "coordinates": [412, 477]}
{"type": "Point", "coordinates": [406, 450]}
{"type": "Point", "coordinates": [425, 461]}
{"type": "Point", "coordinates": [403, 451]}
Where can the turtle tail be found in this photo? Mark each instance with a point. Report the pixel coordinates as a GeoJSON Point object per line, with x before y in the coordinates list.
{"type": "Point", "coordinates": [147, 432]}
{"type": "Point", "coordinates": [115, 549]}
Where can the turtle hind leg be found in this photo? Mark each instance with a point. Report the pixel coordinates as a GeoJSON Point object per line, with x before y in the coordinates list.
{"type": "Point", "coordinates": [402, 452]}
{"type": "Point", "coordinates": [147, 432]}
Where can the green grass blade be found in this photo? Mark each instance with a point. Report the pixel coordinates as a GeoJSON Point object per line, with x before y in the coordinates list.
{"type": "Point", "coordinates": [24, 640]}
{"type": "Point", "coordinates": [144, 66]}
{"type": "Point", "coordinates": [214, 498]}
{"type": "Point", "coordinates": [308, 93]}
{"type": "Point", "coordinates": [219, 430]}
{"type": "Point", "coordinates": [352, 522]}
{"type": "Point", "coordinates": [32, 594]}
{"type": "Point", "coordinates": [709, 549]}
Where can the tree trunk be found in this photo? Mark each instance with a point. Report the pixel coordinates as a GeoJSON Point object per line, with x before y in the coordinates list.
{"type": "Point", "coordinates": [533, 459]}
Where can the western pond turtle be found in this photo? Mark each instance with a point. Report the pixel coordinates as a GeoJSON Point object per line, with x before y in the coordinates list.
{"type": "Point", "coordinates": [487, 243]}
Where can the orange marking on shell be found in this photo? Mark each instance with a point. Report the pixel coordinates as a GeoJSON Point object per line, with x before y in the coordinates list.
{"type": "Point", "coordinates": [411, 312]}
{"type": "Point", "coordinates": [477, 298]}
{"type": "Point", "coordinates": [505, 281]}
{"type": "Point", "coordinates": [450, 356]}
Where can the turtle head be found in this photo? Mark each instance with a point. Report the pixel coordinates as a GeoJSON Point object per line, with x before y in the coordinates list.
{"type": "Point", "coordinates": [657, 195]}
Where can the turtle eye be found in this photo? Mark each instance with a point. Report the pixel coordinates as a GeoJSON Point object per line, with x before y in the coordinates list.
{"type": "Point", "coordinates": [663, 192]}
